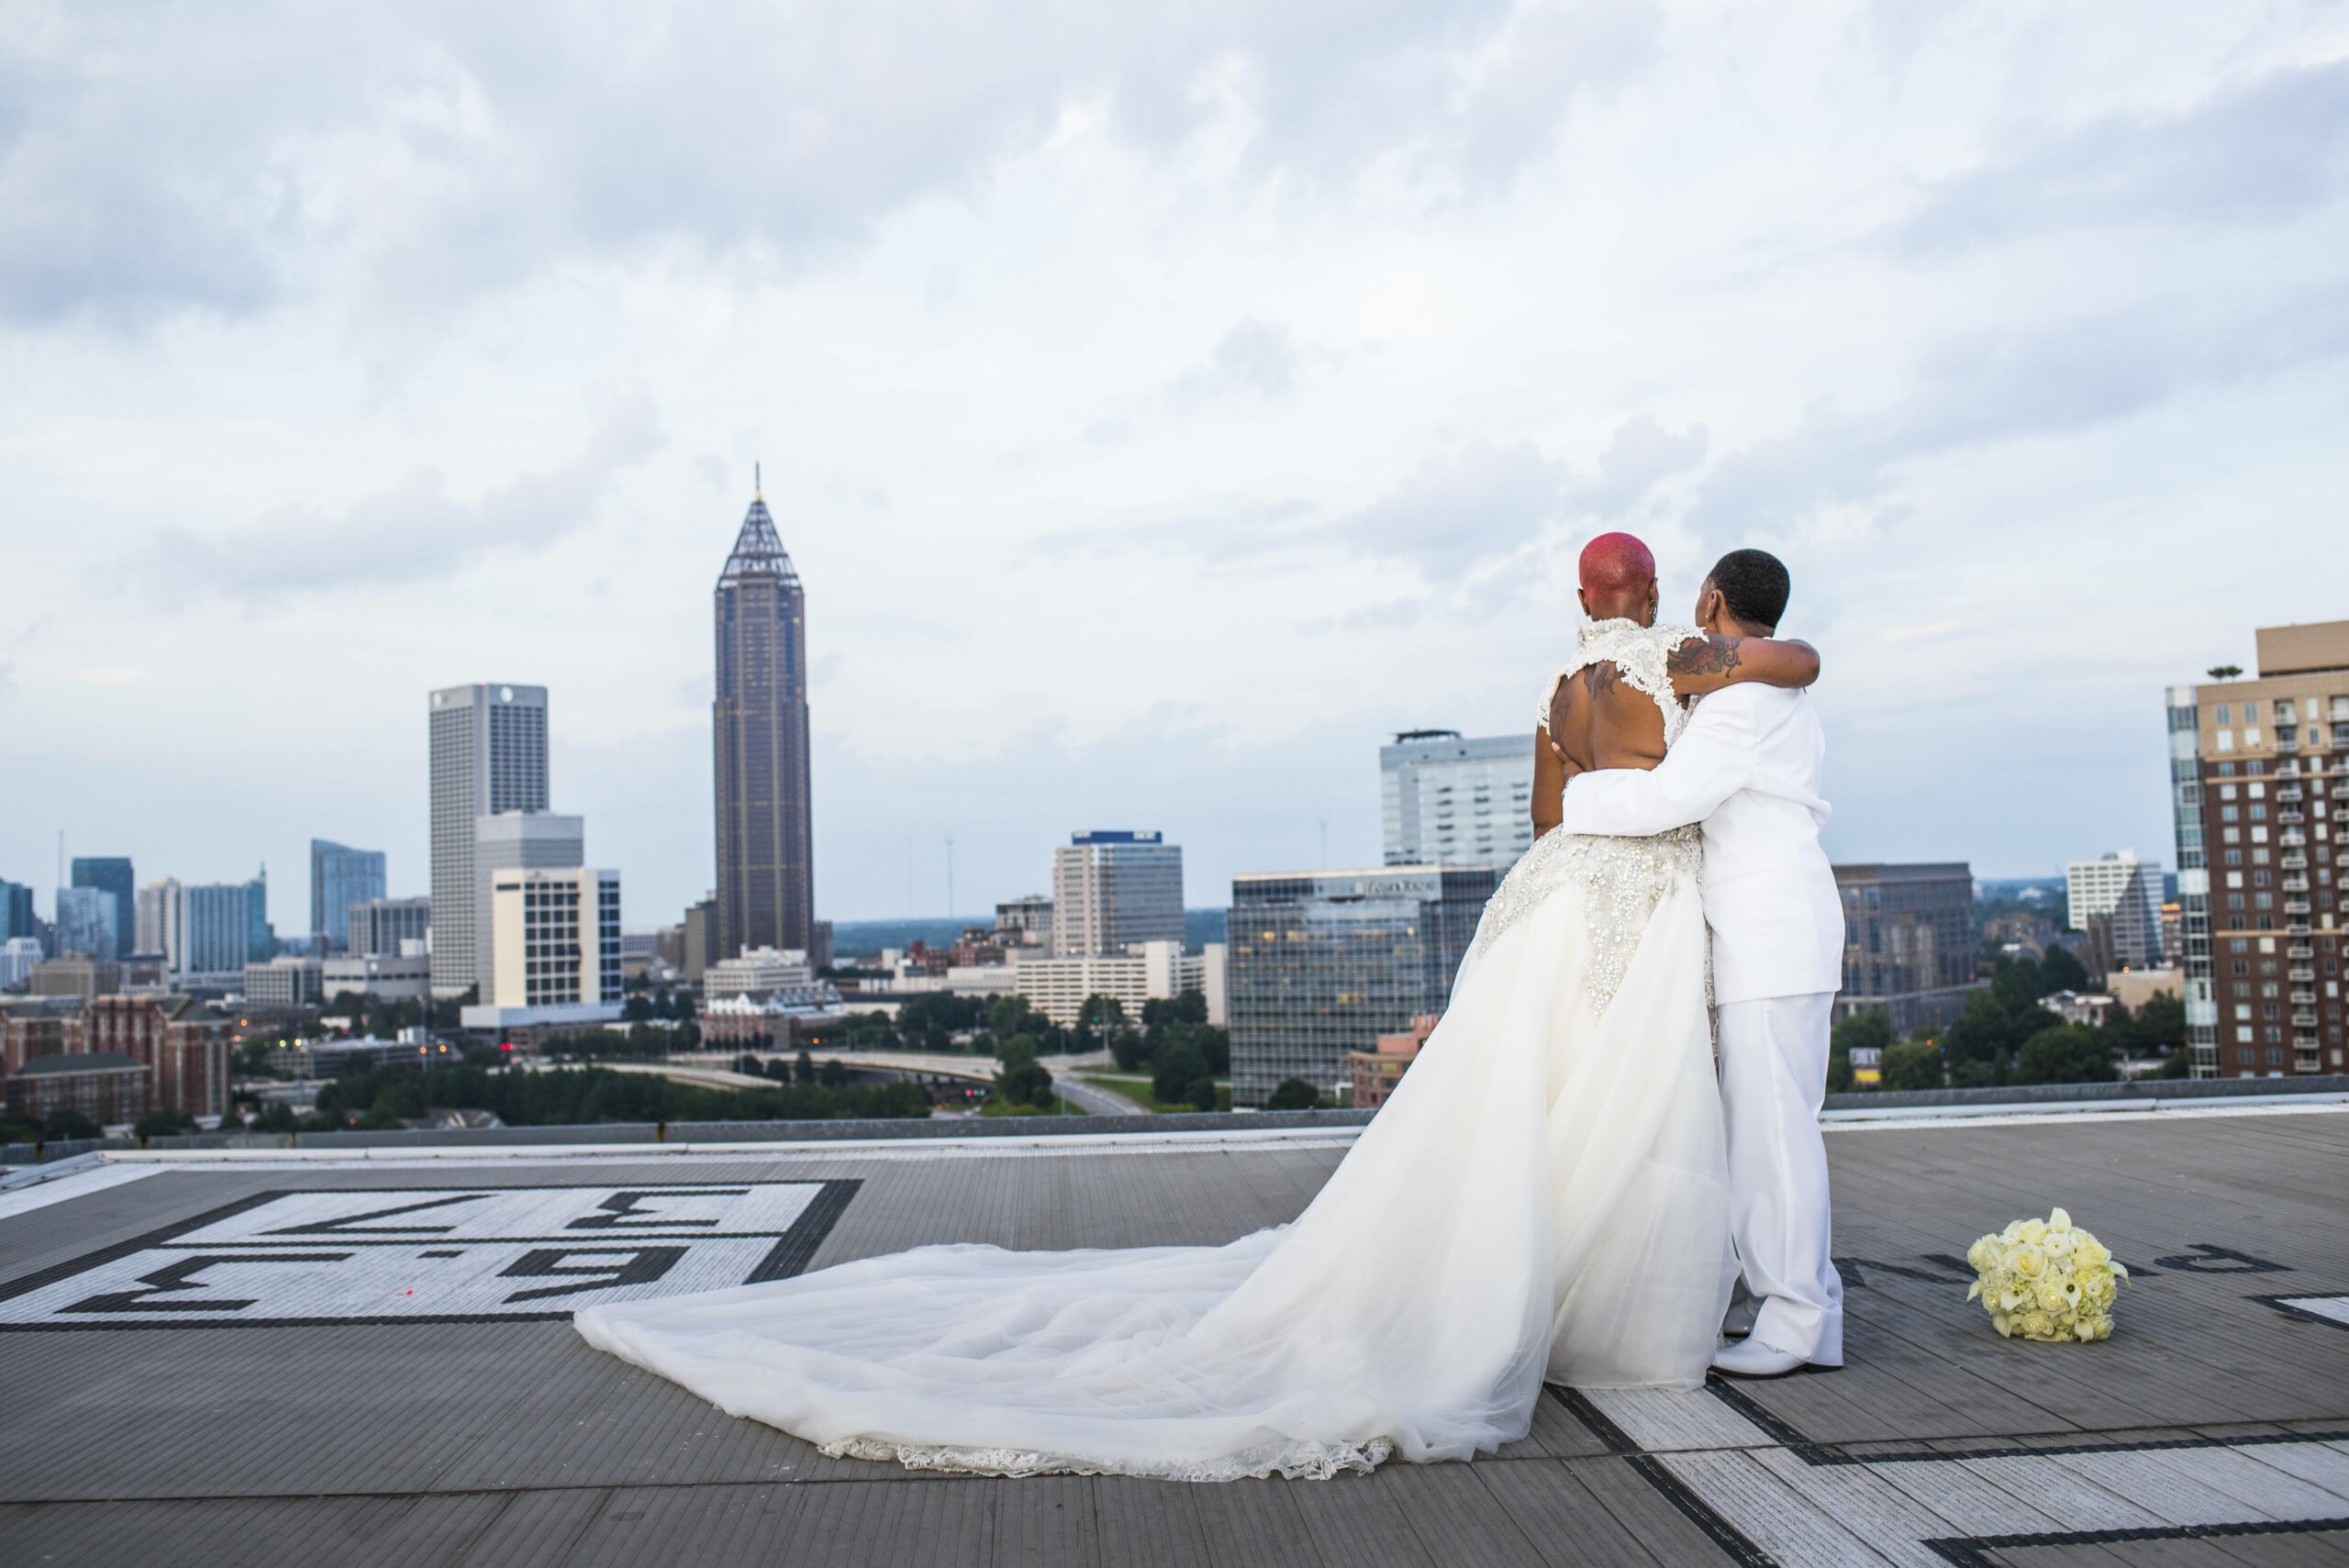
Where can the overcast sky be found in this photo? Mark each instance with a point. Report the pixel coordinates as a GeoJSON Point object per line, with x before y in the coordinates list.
{"type": "Point", "coordinates": [1162, 404]}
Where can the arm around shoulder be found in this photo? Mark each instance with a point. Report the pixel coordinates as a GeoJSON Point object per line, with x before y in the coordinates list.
{"type": "Point", "coordinates": [1710, 761]}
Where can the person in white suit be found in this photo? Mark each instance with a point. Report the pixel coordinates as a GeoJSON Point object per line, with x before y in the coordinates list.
{"type": "Point", "coordinates": [1747, 767]}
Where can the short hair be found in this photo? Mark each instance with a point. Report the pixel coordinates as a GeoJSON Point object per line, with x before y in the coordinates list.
{"type": "Point", "coordinates": [1615, 563]}
{"type": "Point", "coordinates": [1754, 585]}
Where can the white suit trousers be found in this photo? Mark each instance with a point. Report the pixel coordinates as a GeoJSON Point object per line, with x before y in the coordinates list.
{"type": "Point", "coordinates": [1773, 1079]}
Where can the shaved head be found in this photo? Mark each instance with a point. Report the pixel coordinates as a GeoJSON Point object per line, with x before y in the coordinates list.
{"type": "Point", "coordinates": [1616, 565]}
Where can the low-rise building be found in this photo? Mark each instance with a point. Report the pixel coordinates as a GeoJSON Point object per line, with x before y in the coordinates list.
{"type": "Point", "coordinates": [2132, 988]}
{"type": "Point", "coordinates": [746, 1020]}
{"type": "Point", "coordinates": [285, 981]}
{"type": "Point", "coordinates": [104, 1085]}
{"type": "Point", "coordinates": [756, 972]}
{"type": "Point", "coordinates": [1377, 1071]}
{"type": "Point", "coordinates": [2081, 1007]}
{"type": "Point", "coordinates": [75, 976]}
{"type": "Point", "coordinates": [183, 1045]}
{"type": "Point", "coordinates": [1059, 987]}
{"type": "Point", "coordinates": [385, 979]}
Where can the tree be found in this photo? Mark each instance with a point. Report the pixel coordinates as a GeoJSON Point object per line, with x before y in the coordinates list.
{"type": "Point", "coordinates": [1912, 1064]}
{"type": "Point", "coordinates": [161, 1124]}
{"type": "Point", "coordinates": [1180, 1064]}
{"type": "Point", "coordinates": [2224, 672]}
{"type": "Point", "coordinates": [69, 1123]}
{"type": "Point", "coordinates": [804, 1070]}
{"type": "Point", "coordinates": [2061, 969]}
{"type": "Point", "coordinates": [1293, 1095]}
{"type": "Point", "coordinates": [276, 1116]}
{"type": "Point", "coordinates": [2017, 985]}
{"type": "Point", "coordinates": [1871, 1030]}
{"type": "Point", "coordinates": [2069, 1053]}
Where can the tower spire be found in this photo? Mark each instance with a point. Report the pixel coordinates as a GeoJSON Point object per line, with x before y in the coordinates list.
{"type": "Point", "coordinates": [758, 489]}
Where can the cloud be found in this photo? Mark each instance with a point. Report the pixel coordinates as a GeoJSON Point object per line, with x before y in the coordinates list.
{"type": "Point", "coordinates": [414, 531]}
{"type": "Point", "coordinates": [157, 162]}
{"type": "Point", "coordinates": [1989, 388]}
{"type": "Point", "coordinates": [1261, 357]}
{"type": "Point", "coordinates": [1641, 455]}
{"type": "Point", "coordinates": [2258, 153]}
{"type": "Point", "coordinates": [1452, 512]}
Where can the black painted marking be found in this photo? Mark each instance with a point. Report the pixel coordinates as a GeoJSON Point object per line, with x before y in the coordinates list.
{"type": "Point", "coordinates": [790, 1256]}
{"type": "Point", "coordinates": [1813, 1452]}
{"type": "Point", "coordinates": [797, 1249]}
{"type": "Point", "coordinates": [1734, 1542]}
{"type": "Point", "coordinates": [349, 1222]}
{"type": "Point", "coordinates": [179, 1273]}
{"type": "Point", "coordinates": [644, 1266]}
{"type": "Point", "coordinates": [1972, 1551]}
{"type": "Point", "coordinates": [2220, 1260]}
{"type": "Point", "coordinates": [442, 1253]}
{"type": "Point", "coordinates": [621, 1213]}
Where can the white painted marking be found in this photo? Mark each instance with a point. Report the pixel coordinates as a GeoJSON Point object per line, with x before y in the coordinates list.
{"type": "Point", "coordinates": [431, 1252]}
{"type": "Point", "coordinates": [2332, 1308]}
{"type": "Point", "coordinates": [79, 1184]}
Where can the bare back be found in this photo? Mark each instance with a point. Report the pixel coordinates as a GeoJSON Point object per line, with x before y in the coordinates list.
{"type": "Point", "coordinates": [1600, 720]}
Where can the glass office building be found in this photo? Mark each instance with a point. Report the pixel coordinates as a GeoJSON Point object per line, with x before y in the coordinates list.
{"type": "Point", "coordinates": [1322, 963]}
{"type": "Point", "coordinates": [110, 874]}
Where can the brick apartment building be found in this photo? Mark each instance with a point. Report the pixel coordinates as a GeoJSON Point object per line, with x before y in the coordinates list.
{"type": "Point", "coordinates": [2259, 779]}
{"type": "Point", "coordinates": [182, 1048]}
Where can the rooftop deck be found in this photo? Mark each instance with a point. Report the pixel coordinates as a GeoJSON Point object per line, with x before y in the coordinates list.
{"type": "Point", "coordinates": [356, 1396]}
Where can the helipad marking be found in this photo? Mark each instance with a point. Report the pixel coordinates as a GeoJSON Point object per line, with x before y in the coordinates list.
{"type": "Point", "coordinates": [446, 1255]}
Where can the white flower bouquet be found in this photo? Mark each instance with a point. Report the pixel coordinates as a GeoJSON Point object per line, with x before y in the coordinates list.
{"type": "Point", "coordinates": [2046, 1279]}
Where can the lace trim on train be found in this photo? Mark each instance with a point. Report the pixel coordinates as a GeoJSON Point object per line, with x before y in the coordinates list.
{"type": "Point", "coordinates": [1291, 1461]}
{"type": "Point", "coordinates": [1622, 881]}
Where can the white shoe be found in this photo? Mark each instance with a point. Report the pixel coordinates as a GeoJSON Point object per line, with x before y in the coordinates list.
{"type": "Point", "coordinates": [1751, 1358]}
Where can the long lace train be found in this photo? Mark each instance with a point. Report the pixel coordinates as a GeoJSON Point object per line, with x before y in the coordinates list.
{"type": "Point", "coordinates": [1544, 1196]}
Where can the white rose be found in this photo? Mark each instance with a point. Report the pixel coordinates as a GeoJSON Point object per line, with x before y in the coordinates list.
{"type": "Point", "coordinates": [2060, 1244]}
{"type": "Point", "coordinates": [2027, 1261]}
{"type": "Point", "coordinates": [2037, 1325]}
{"type": "Point", "coordinates": [2033, 1231]}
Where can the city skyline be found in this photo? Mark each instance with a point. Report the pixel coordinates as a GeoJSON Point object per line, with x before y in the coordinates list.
{"type": "Point", "coordinates": [1168, 422]}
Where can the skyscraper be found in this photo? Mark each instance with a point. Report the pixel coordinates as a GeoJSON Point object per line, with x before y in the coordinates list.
{"type": "Point", "coordinates": [16, 910]}
{"type": "Point", "coordinates": [766, 882]}
{"type": "Point", "coordinates": [2118, 900]}
{"type": "Point", "coordinates": [339, 877]}
{"type": "Point", "coordinates": [1454, 802]}
{"type": "Point", "coordinates": [2259, 775]}
{"type": "Point", "coordinates": [86, 922]}
{"type": "Point", "coordinates": [221, 928]}
{"type": "Point", "coordinates": [1112, 890]}
{"type": "Point", "coordinates": [111, 873]}
{"type": "Point", "coordinates": [489, 755]}
{"type": "Point", "coordinates": [1908, 941]}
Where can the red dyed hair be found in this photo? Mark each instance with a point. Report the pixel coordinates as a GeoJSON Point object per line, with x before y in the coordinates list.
{"type": "Point", "coordinates": [1614, 563]}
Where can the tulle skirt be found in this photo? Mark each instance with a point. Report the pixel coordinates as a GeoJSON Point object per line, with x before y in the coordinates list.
{"type": "Point", "coordinates": [1544, 1196]}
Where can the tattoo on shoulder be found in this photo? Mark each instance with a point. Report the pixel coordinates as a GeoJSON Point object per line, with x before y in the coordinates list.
{"type": "Point", "coordinates": [1599, 680]}
{"type": "Point", "coordinates": [1706, 655]}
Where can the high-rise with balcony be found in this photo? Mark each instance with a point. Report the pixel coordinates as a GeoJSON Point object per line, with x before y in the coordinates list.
{"type": "Point", "coordinates": [766, 877]}
{"type": "Point", "coordinates": [1112, 889]}
{"type": "Point", "coordinates": [489, 755]}
{"type": "Point", "coordinates": [1444, 800]}
{"type": "Point", "coordinates": [339, 877]}
{"type": "Point", "coordinates": [2259, 780]}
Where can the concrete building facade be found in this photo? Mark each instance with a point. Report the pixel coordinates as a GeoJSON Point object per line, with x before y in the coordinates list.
{"type": "Point", "coordinates": [385, 927]}
{"type": "Point", "coordinates": [511, 841]}
{"type": "Point", "coordinates": [1908, 941]}
{"type": "Point", "coordinates": [2117, 898]}
{"type": "Point", "coordinates": [489, 755]}
{"type": "Point", "coordinates": [556, 939]}
{"type": "Point", "coordinates": [1446, 800]}
{"type": "Point", "coordinates": [1058, 988]}
{"type": "Point", "coordinates": [1114, 889]}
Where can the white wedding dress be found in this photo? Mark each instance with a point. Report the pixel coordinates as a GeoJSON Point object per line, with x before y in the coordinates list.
{"type": "Point", "coordinates": [1544, 1196]}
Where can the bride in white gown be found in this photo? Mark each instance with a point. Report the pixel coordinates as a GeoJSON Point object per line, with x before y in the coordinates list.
{"type": "Point", "coordinates": [1543, 1197]}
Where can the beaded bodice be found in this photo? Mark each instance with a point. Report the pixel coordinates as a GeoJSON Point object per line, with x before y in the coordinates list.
{"type": "Point", "coordinates": [1638, 654]}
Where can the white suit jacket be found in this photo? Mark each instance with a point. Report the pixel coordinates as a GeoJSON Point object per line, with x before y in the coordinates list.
{"type": "Point", "coordinates": [1747, 766]}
